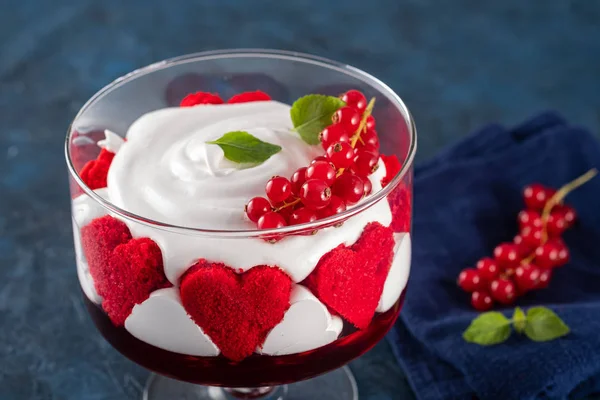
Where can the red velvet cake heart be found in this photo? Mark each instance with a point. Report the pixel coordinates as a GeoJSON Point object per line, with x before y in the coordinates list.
{"type": "Point", "coordinates": [95, 172]}
{"type": "Point", "coordinates": [237, 311]}
{"type": "Point", "coordinates": [349, 280]}
{"type": "Point", "coordinates": [125, 270]}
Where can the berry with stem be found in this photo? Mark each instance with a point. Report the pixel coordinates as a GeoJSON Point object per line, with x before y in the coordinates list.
{"type": "Point", "coordinates": [332, 134]}
{"type": "Point", "coordinates": [271, 220]}
{"type": "Point", "coordinates": [257, 207]}
{"type": "Point", "coordinates": [355, 99]}
{"type": "Point", "coordinates": [470, 280]}
{"type": "Point", "coordinates": [349, 187]}
{"type": "Point", "coordinates": [507, 255]}
{"type": "Point", "coordinates": [536, 196]}
{"type": "Point", "coordinates": [322, 170]}
{"type": "Point", "coordinates": [503, 290]}
{"type": "Point", "coordinates": [315, 194]}
{"type": "Point", "coordinates": [488, 268]}
{"type": "Point", "coordinates": [302, 215]}
{"type": "Point", "coordinates": [349, 117]}
{"type": "Point", "coordinates": [278, 189]}
{"type": "Point", "coordinates": [341, 154]}
{"type": "Point", "coordinates": [336, 205]}
{"type": "Point", "coordinates": [530, 218]}
{"type": "Point", "coordinates": [298, 179]}
{"type": "Point", "coordinates": [365, 163]}
{"type": "Point", "coordinates": [527, 277]}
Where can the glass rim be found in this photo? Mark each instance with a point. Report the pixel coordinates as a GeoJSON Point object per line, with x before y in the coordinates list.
{"type": "Point", "coordinates": [241, 53]}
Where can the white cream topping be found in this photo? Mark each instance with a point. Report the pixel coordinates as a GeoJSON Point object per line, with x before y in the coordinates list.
{"type": "Point", "coordinates": [112, 142]}
{"type": "Point", "coordinates": [166, 171]}
{"type": "Point", "coordinates": [162, 321]}
{"type": "Point", "coordinates": [398, 274]}
{"type": "Point", "coordinates": [306, 325]}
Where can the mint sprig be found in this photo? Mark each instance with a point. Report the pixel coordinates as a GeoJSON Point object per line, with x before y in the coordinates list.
{"type": "Point", "coordinates": [312, 113]}
{"type": "Point", "coordinates": [243, 148]}
{"type": "Point", "coordinates": [540, 324]}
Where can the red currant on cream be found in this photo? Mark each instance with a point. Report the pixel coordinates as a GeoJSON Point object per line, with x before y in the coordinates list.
{"type": "Point", "coordinates": [470, 280]}
{"type": "Point", "coordinates": [481, 300]}
{"type": "Point", "coordinates": [503, 290]}
{"type": "Point", "coordinates": [319, 158]}
{"type": "Point", "coordinates": [349, 187]}
{"type": "Point", "coordinates": [341, 154]}
{"type": "Point", "coordinates": [335, 206]}
{"type": "Point", "coordinates": [349, 117]}
{"type": "Point", "coordinates": [257, 207]}
{"type": "Point", "coordinates": [321, 170]}
{"type": "Point", "coordinates": [298, 179]}
{"type": "Point", "coordinates": [355, 99]}
{"type": "Point", "coordinates": [488, 268]}
{"type": "Point", "coordinates": [365, 163]}
{"type": "Point", "coordinates": [332, 134]}
{"type": "Point", "coordinates": [368, 186]}
{"type": "Point", "coordinates": [278, 189]}
{"type": "Point", "coordinates": [315, 194]}
{"type": "Point", "coordinates": [271, 220]}
{"type": "Point", "coordinates": [302, 215]}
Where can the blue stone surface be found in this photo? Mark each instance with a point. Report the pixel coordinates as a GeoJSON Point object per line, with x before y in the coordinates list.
{"type": "Point", "coordinates": [457, 64]}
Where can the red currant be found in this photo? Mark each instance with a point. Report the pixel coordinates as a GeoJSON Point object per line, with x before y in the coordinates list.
{"type": "Point", "coordinates": [349, 188]}
{"type": "Point", "coordinates": [369, 140]}
{"type": "Point", "coordinates": [365, 163]}
{"type": "Point", "coordinates": [529, 218]}
{"type": "Point", "coordinates": [332, 134]}
{"type": "Point", "coordinates": [470, 280]}
{"type": "Point", "coordinates": [341, 154]}
{"type": "Point", "coordinates": [370, 122]}
{"type": "Point", "coordinates": [271, 220]}
{"type": "Point", "coordinates": [544, 280]}
{"type": "Point", "coordinates": [536, 195]}
{"type": "Point", "coordinates": [355, 99]}
{"type": "Point", "coordinates": [278, 189]}
{"type": "Point", "coordinates": [321, 170]}
{"type": "Point", "coordinates": [507, 255]}
{"type": "Point", "coordinates": [524, 248]}
{"type": "Point", "coordinates": [348, 117]}
{"type": "Point", "coordinates": [481, 301]}
{"type": "Point", "coordinates": [503, 290]}
{"type": "Point", "coordinates": [568, 213]}
{"type": "Point", "coordinates": [319, 158]}
{"type": "Point", "coordinates": [257, 207]}
{"type": "Point", "coordinates": [315, 194]}
{"type": "Point", "coordinates": [298, 180]}
{"type": "Point", "coordinates": [302, 215]}
{"type": "Point", "coordinates": [488, 269]}
{"type": "Point", "coordinates": [532, 237]}
{"type": "Point", "coordinates": [547, 255]}
{"type": "Point", "coordinates": [527, 277]}
{"type": "Point", "coordinates": [336, 206]}
{"type": "Point", "coordinates": [368, 186]}
{"type": "Point", "coordinates": [556, 225]}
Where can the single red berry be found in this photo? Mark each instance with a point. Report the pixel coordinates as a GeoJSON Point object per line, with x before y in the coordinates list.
{"type": "Point", "coordinates": [341, 154]}
{"type": "Point", "coordinates": [319, 158]}
{"type": "Point", "coordinates": [470, 280]}
{"type": "Point", "coordinates": [370, 122]}
{"type": "Point", "coordinates": [194, 99]}
{"type": "Point", "coordinates": [315, 194]}
{"type": "Point", "coordinates": [349, 188]}
{"type": "Point", "coordinates": [524, 248]}
{"type": "Point", "coordinates": [365, 163]}
{"type": "Point", "coordinates": [271, 220]}
{"type": "Point", "coordinates": [278, 189]}
{"type": "Point", "coordinates": [532, 237]}
{"type": "Point", "coordinates": [332, 134]}
{"type": "Point", "coordinates": [348, 117]}
{"type": "Point", "coordinates": [567, 212]}
{"type": "Point", "coordinates": [488, 268]}
{"type": "Point", "coordinates": [302, 215]}
{"type": "Point", "coordinates": [563, 255]}
{"type": "Point", "coordinates": [507, 255]}
{"type": "Point", "coordinates": [556, 225]}
{"type": "Point", "coordinates": [368, 186]}
{"type": "Point", "coordinates": [369, 141]}
{"type": "Point", "coordinates": [544, 279]}
{"type": "Point", "coordinates": [529, 218]}
{"type": "Point", "coordinates": [335, 206]}
{"type": "Point", "coordinates": [247, 97]}
{"type": "Point", "coordinates": [285, 210]}
{"type": "Point", "coordinates": [355, 99]}
{"type": "Point", "coordinates": [547, 255]}
{"type": "Point", "coordinates": [503, 290]}
{"type": "Point", "coordinates": [527, 277]}
{"type": "Point", "coordinates": [257, 207]}
{"type": "Point", "coordinates": [321, 170]}
{"type": "Point", "coordinates": [536, 196]}
{"type": "Point", "coordinates": [298, 179]}
{"type": "Point", "coordinates": [481, 300]}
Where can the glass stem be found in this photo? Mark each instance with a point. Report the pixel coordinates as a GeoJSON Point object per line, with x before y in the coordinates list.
{"type": "Point", "coordinates": [259, 393]}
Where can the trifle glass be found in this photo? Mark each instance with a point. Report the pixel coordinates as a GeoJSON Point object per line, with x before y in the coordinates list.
{"type": "Point", "coordinates": [180, 269]}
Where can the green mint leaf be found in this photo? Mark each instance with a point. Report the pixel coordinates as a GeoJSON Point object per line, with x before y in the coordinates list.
{"type": "Point", "coordinates": [312, 113]}
{"type": "Point", "coordinates": [241, 147]}
{"type": "Point", "coordinates": [544, 325]}
{"type": "Point", "coordinates": [487, 329]}
{"type": "Point", "coordinates": [519, 320]}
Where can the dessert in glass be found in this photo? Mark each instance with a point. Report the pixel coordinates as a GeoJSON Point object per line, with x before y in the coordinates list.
{"type": "Point", "coordinates": [242, 221]}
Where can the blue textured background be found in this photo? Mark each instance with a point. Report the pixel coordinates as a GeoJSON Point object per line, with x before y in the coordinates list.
{"type": "Point", "coordinates": [457, 64]}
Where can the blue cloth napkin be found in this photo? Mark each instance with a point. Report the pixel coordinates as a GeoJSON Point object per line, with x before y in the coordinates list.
{"type": "Point", "coordinates": [465, 203]}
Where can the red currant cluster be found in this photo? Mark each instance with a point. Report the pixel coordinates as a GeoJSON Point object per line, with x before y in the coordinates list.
{"type": "Point", "coordinates": [331, 182]}
{"type": "Point", "coordinates": [527, 262]}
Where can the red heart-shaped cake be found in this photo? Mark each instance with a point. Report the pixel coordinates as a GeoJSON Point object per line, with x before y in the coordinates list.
{"type": "Point", "coordinates": [95, 172]}
{"type": "Point", "coordinates": [349, 280]}
{"type": "Point", "coordinates": [125, 270]}
{"type": "Point", "coordinates": [237, 311]}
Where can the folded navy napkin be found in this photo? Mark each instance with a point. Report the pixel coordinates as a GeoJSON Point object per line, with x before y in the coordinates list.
{"type": "Point", "coordinates": [465, 203]}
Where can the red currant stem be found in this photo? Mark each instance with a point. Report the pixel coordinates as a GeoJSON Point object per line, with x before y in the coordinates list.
{"type": "Point", "coordinates": [363, 124]}
{"type": "Point", "coordinates": [285, 205]}
{"type": "Point", "coordinates": [558, 197]}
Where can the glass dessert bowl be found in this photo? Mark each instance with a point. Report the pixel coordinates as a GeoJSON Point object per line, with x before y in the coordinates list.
{"type": "Point", "coordinates": [249, 243]}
